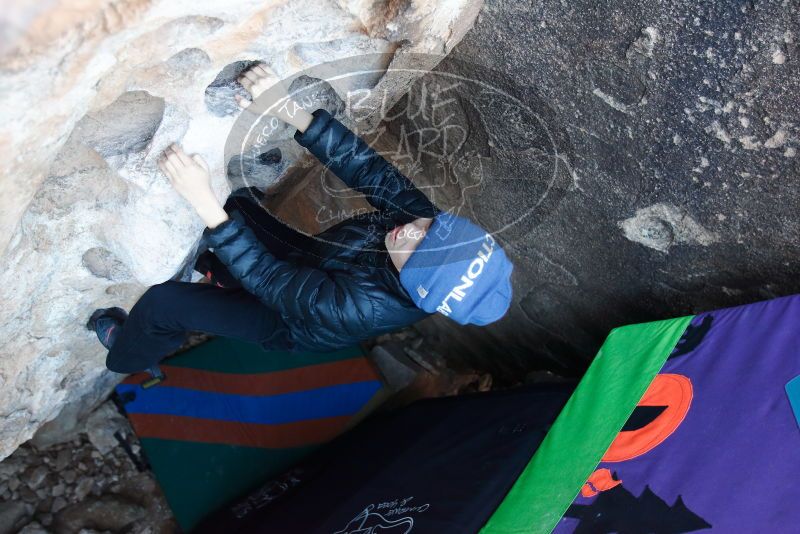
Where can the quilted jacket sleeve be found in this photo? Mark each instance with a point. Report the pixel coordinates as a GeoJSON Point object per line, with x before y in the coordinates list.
{"type": "Point", "coordinates": [330, 299]}
{"type": "Point", "coordinates": [363, 169]}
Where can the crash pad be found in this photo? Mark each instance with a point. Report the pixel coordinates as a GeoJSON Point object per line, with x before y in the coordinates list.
{"type": "Point", "coordinates": [230, 415]}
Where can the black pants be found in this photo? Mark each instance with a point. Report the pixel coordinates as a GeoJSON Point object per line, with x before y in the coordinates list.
{"type": "Point", "coordinates": [159, 321]}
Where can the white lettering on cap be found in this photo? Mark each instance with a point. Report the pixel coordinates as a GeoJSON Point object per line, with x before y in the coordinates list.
{"type": "Point", "coordinates": [459, 292]}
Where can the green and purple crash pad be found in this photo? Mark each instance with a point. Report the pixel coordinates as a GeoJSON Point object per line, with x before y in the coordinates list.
{"type": "Point", "coordinates": [681, 425]}
{"type": "Point", "coordinates": [605, 398]}
{"type": "Point", "coordinates": [230, 415]}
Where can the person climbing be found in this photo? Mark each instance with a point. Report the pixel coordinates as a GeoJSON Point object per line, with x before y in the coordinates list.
{"type": "Point", "coordinates": [284, 290]}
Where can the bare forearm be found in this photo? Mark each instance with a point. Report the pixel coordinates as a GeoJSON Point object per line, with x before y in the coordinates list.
{"type": "Point", "coordinates": [189, 176]}
{"type": "Point", "coordinates": [257, 80]}
{"type": "Point", "coordinates": [212, 214]}
{"type": "Point", "coordinates": [293, 113]}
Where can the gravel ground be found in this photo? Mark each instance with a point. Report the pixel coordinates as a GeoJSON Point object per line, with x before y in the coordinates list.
{"type": "Point", "coordinates": [86, 485]}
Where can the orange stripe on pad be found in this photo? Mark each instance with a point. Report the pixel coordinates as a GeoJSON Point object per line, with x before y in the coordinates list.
{"type": "Point", "coordinates": [266, 383]}
{"type": "Point", "coordinates": [280, 436]}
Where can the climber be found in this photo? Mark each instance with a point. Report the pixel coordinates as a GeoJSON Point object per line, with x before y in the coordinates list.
{"type": "Point", "coordinates": [284, 290]}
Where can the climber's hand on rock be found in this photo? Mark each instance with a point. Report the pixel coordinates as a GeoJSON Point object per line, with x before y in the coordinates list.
{"type": "Point", "coordinates": [189, 176]}
{"type": "Point", "coordinates": [258, 79]}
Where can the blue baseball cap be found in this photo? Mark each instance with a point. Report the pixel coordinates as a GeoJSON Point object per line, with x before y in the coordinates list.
{"type": "Point", "coordinates": [460, 271]}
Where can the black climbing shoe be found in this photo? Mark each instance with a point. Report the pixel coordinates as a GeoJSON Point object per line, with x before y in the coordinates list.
{"type": "Point", "coordinates": [107, 324]}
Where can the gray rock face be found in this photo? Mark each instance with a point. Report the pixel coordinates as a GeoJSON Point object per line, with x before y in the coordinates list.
{"type": "Point", "coordinates": [661, 226]}
{"type": "Point", "coordinates": [101, 426]}
{"type": "Point", "coordinates": [125, 126]}
{"type": "Point", "coordinates": [11, 513]}
{"type": "Point", "coordinates": [91, 93]}
{"type": "Point", "coordinates": [680, 126]}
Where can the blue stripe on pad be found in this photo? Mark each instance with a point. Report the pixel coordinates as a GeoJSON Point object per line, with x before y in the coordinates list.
{"type": "Point", "coordinates": [331, 401]}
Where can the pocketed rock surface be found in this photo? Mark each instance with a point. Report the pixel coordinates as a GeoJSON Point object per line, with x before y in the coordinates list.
{"type": "Point", "coordinates": [91, 93]}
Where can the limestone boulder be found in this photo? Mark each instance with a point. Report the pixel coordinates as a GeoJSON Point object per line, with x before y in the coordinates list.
{"type": "Point", "coordinates": [91, 92]}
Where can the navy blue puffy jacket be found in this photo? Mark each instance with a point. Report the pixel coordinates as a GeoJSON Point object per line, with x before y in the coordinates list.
{"type": "Point", "coordinates": [346, 290]}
